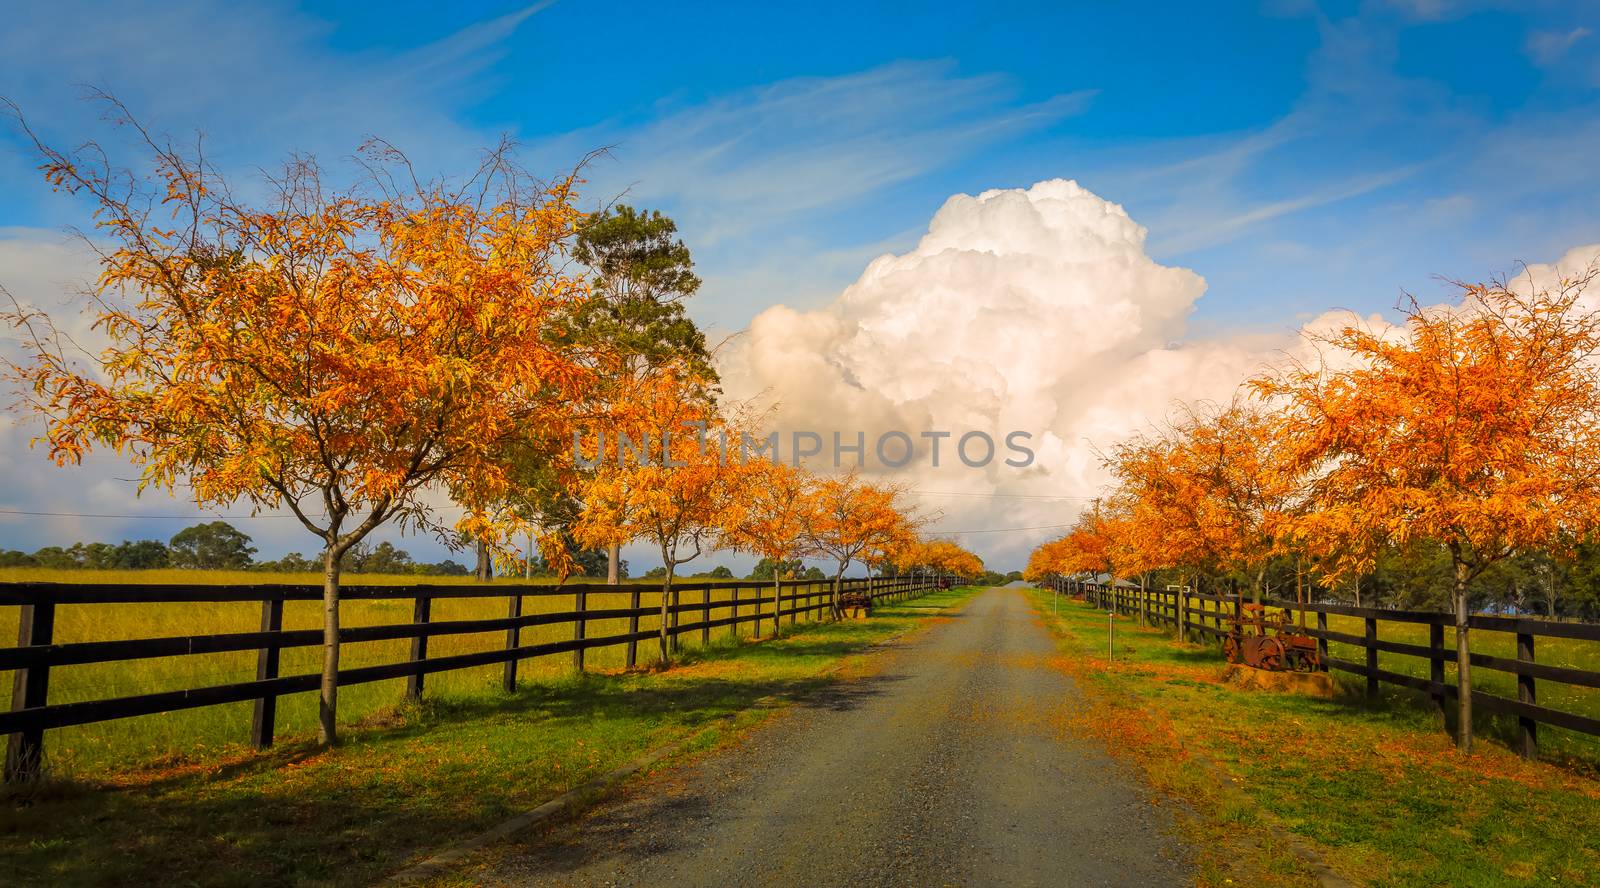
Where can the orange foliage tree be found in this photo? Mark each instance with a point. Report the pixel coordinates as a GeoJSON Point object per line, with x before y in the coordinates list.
{"type": "Point", "coordinates": [1086, 549]}
{"type": "Point", "coordinates": [851, 519]}
{"type": "Point", "coordinates": [325, 351]}
{"type": "Point", "coordinates": [682, 494]}
{"type": "Point", "coordinates": [948, 558]}
{"type": "Point", "coordinates": [1212, 490]}
{"type": "Point", "coordinates": [777, 508]}
{"type": "Point", "coordinates": [1478, 428]}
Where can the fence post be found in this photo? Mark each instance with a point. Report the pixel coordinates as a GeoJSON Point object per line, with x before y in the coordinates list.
{"type": "Point", "coordinates": [705, 616]}
{"type": "Point", "coordinates": [266, 708]}
{"type": "Point", "coordinates": [30, 688]}
{"type": "Point", "coordinates": [1529, 739]}
{"type": "Point", "coordinates": [1436, 664]}
{"type": "Point", "coordinates": [580, 626]}
{"type": "Point", "coordinates": [734, 626]}
{"type": "Point", "coordinates": [633, 627]}
{"type": "Point", "coordinates": [1181, 600]}
{"type": "Point", "coordinates": [419, 646]}
{"type": "Point", "coordinates": [1371, 645]}
{"type": "Point", "coordinates": [513, 641]}
{"type": "Point", "coordinates": [1322, 643]}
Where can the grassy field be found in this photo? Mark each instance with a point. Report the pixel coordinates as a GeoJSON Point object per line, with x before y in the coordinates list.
{"type": "Point", "coordinates": [200, 733]}
{"type": "Point", "coordinates": [1578, 750]}
{"type": "Point", "coordinates": [411, 780]}
{"type": "Point", "coordinates": [1375, 789]}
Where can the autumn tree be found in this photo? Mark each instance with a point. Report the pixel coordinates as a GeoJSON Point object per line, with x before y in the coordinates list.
{"type": "Point", "coordinates": [943, 557]}
{"type": "Point", "coordinates": [1210, 489]}
{"type": "Point", "coordinates": [777, 508]}
{"type": "Point", "coordinates": [334, 351]}
{"type": "Point", "coordinates": [852, 519]}
{"type": "Point", "coordinates": [682, 492]}
{"type": "Point", "coordinates": [1477, 426]}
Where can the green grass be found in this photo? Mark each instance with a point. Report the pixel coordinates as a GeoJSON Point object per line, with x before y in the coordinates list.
{"type": "Point", "coordinates": [198, 733]}
{"type": "Point", "coordinates": [1376, 788]}
{"type": "Point", "coordinates": [411, 780]}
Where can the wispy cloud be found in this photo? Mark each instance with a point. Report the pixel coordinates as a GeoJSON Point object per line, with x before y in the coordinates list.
{"type": "Point", "coordinates": [758, 158]}
{"type": "Point", "coordinates": [1547, 47]}
{"type": "Point", "coordinates": [761, 176]}
{"type": "Point", "coordinates": [260, 80]}
{"type": "Point", "coordinates": [1207, 230]}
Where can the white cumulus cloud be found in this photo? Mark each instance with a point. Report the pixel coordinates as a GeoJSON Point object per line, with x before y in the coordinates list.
{"type": "Point", "coordinates": [1031, 309]}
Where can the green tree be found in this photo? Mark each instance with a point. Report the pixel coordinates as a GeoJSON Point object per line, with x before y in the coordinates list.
{"type": "Point", "coordinates": [383, 558]}
{"type": "Point", "coordinates": [446, 568]}
{"type": "Point", "coordinates": [142, 555]}
{"type": "Point", "coordinates": [642, 273]}
{"type": "Point", "coordinates": [214, 546]}
{"type": "Point", "coordinates": [770, 569]}
{"type": "Point", "coordinates": [55, 558]}
{"type": "Point", "coordinates": [17, 558]}
{"type": "Point", "coordinates": [595, 563]}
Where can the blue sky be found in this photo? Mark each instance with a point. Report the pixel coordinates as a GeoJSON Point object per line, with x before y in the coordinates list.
{"type": "Point", "coordinates": [1298, 155]}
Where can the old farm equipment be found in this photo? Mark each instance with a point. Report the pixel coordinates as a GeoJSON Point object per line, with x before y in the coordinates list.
{"type": "Point", "coordinates": [855, 605]}
{"type": "Point", "coordinates": [1269, 639]}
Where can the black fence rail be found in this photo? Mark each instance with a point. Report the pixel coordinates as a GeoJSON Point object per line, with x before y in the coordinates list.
{"type": "Point", "coordinates": [1196, 614]}
{"type": "Point", "coordinates": [36, 652]}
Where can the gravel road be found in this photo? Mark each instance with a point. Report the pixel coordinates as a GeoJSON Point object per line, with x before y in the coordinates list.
{"type": "Point", "coordinates": [950, 765]}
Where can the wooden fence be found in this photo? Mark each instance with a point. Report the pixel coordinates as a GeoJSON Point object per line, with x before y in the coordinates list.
{"type": "Point", "coordinates": [1209, 616]}
{"type": "Point", "coordinates": [36, 653]}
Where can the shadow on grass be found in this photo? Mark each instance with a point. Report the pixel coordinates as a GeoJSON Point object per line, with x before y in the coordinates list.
{"type": "Point", "coordinates": [403, 783]}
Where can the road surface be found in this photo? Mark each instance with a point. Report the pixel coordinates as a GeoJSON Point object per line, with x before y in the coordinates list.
{"type": "Point", "coordinates": [951, 765]}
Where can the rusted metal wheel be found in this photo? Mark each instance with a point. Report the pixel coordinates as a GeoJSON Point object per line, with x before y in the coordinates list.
{"type": "Point", "coordinates": [1270, 654]}
{"type": "Point", "coordinates": [1230, 648]}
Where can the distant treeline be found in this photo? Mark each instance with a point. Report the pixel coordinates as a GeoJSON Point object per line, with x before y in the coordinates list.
{"type": "Point", "coordinates": [217, 546]}
{"type": "Point", "coordinates": [221, 546]}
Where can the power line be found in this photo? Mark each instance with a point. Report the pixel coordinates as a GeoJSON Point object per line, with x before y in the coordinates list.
{"type": "Point", "coordinates": [1031, 496]}
{"type": "Point", "coordinates": [35, 514]}
{"type": "Point", "coordinates": [1003, 529]}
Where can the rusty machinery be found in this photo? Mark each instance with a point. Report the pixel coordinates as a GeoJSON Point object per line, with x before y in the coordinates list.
{"type": "Point", "coordinates": [1269, 639]}
{"type": "Point", "coordinates": [856, 604]}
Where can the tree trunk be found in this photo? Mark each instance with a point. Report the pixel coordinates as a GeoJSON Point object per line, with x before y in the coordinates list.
{"type": "Point", "coordinates": [838, 589]}
{"type": "Point", "coordinates": [1463, 660]}
{"type": "Point", "coordinates": [328, 706]}
{"type": "Point", "coordinates": [777, 599]}
{"type": "Point", "coordinates": [1144, 599]}
{"type": "Point", "coordinates": [485, 566]}
{"type": "Point", "coordinates": [614, 564]}
{"type": "Point", "coordinates": [666, 606]}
